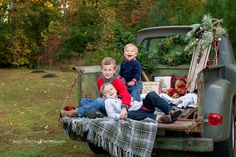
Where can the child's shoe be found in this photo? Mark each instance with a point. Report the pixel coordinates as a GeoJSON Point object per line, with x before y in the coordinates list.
{"type": "Point", "coordinates": [175, 113]}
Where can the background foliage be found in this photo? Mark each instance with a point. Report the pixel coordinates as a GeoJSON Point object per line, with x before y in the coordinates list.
{"type": "Point", "coordinates": [34, 33]}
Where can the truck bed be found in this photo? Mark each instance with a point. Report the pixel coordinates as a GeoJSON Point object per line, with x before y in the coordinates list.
{"type": "Point", "coordinates": [186, 123]}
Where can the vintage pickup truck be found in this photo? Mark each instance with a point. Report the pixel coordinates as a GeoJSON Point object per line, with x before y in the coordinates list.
{"type": "Point", "coordinates": [212, 128]}
{"type": "Point", "coordinates": [211, 74]}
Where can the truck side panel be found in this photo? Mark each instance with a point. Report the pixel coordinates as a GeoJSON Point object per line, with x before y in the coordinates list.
{"type": "Point", "coordinates": [217, 99]}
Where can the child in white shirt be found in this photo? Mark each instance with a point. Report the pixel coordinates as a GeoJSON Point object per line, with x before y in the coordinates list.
{"type": "Point", "coordinates": [139, 110]}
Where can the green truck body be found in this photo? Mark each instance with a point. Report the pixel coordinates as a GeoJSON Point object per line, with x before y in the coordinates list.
{"type": "Point", "coordinates": [216, 89]}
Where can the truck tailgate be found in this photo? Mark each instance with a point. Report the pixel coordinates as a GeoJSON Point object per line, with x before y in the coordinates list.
{"type": "Point", "coordinates": [185, 125]}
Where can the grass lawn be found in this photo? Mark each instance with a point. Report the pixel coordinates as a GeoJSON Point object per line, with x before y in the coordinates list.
{"type": "Point", "coordinates": [29, 112]}
{"type": "Point", "coordinates": [29, 109]}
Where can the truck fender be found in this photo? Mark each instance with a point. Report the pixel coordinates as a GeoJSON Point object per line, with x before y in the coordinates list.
{"type": "Point", "coordinates": [218, 98]}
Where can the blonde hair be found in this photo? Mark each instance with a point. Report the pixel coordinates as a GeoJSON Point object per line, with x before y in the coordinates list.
{"type": "Point", "coordinates": [103, 87]}
{"type": "Point", "coordinates": [108, 61]}
{"type": "Point", "coordinates": [131, 45]}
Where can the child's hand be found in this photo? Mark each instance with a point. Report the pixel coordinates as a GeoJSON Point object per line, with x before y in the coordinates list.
{"type": "Point", "coordinates": [123, 114]}
{"type": "Point", "coordinates": [131, 83]}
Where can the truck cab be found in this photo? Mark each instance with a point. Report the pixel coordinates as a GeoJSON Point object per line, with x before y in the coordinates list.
{"type": "Point", "coordinates": [211, 127]}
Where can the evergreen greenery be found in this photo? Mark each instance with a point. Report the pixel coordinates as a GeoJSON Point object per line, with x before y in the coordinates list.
{"type": "Point", "coordinates": [209, 32]}
{"type": "Point", "coordinates": [171, 51]}
{"type": "Point", "coordinates": [146, 58]}
{"type": "Point", "coordinates": [86, 27]}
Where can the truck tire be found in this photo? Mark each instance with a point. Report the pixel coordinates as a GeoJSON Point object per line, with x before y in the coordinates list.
{"type": "Point", "coordinates": [226, 148]}
{"type": "Point", "coordinates": [96, 149]}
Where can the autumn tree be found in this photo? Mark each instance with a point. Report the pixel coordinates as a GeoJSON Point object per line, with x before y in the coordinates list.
{"type": "Point", "coordinates": [24, 21]}
{"type": "Point", "coordinates": [83, 32]}
{"type": "Point", "coordinates": [35, 31]}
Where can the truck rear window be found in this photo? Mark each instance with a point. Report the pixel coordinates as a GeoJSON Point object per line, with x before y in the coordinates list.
{"type": "Point", "coordinates": [168, 50]}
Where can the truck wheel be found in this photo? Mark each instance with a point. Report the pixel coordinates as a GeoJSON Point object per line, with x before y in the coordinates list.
{"type": "Point", "coordinates": [96, 149]}
{"type": "Point", "coordinates": [226, 148]}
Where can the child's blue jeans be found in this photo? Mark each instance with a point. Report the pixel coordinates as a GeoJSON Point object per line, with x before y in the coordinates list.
{"type": "Point", "coordinates": [151, 101]}
{"type": "Point", "coordinates": [135, 91]}
{"type": "Point", "coordinates": [140, 115]}
{"type": "Point", "coordinates": [96, 105]}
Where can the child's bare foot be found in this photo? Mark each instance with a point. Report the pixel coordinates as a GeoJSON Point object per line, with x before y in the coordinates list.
{"type": "Point", "coordinates": [65, 113]}
{"type": "Point", "coordinates": [171, 117]}
{"type": "Point", "coordinates": [163, 119]}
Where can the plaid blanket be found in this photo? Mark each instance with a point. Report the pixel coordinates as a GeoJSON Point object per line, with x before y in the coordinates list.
{"type": "Point", "coordinates": [126, 138]}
